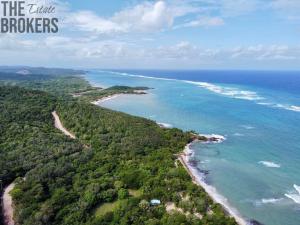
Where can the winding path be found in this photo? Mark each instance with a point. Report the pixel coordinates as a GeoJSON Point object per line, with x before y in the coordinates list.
{"type": "Point", "coordinates": [7, 203]}
{"type": "Point", "coordinates": [58, 124]}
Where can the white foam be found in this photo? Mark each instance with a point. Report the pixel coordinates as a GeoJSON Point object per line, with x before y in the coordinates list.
{"type": "Point", "coordinates": [265, 103]}
{"type": "Point", "coordinates": [218, 138]}
{"type": "Point", "coordinates": [248, 127]}
{"type": "Point", "coordinates": [228, 91]}
{"type": "Point", "coordinates": [97, 102]}
{"type": "Point", "coordinates": [297, 188]}
{"type": "Point", "coordinates": [205, 161]}
{"type": "Point", "coordinates": [238, 134]}
{"type": "Point", "coordinates": [271, 200]}
{"type": "Point", "coordinates": [294, 108]}
{"type": "Point", "coordinates": [225, 91]}
{"type": "Point", "coordinates": [140, 76]}
{"type": "Point", "coordinates": [288, 107]}
{"type": "Point", "coordinates": [212, 191]}
{"type": "Point", "coordinates": [267, 201]}
{"type": "Point", "coordinates": [281, 106]}
{"type": "Point", "coordinates": [270, 164]}
{"type": "Point", "coordinates": [293, 196]}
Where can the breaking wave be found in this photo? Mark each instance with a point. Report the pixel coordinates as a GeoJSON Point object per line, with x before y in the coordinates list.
{"type": "Point", "coordinates": [228, 91]}
{"type": "Point", "coordinates": [248, 127]}
{"type": "Point", "coordinates": [238, 134]}
{"type": "Point", "coordinates": [211, 190]}
{"type": "Point", "coordinates": [270, 164]}
{"type": "Point", "coordinates": [266, 201]}
{"type": "Point", "coordinates": [294, 196]}
{"type": "Point", "coordinates": [214, 138]}
{"type": "Point", "coordinates": [271, 200]}
{"type": "Point", "coordinates": [231, 92]}
{"type": "Point", "coordinates": [288, 107]}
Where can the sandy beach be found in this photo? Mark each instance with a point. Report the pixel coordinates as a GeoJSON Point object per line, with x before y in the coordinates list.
{"type": "Point", "coordinates": [99, 101]}
{"type": "Point", "coordinates": [198, 179]}
{"type": "Point", "coordinates": [7, 203]}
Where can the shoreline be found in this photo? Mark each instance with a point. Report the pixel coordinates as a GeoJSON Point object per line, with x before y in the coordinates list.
{"type": "Point", "coordinates": [198, 179]}
{"type": "Point", "coordinates": [7, 205]}
{"type": "Point", "coordinates": [104, 99]}
{"type": "Point", "coordinates": [113, 96]}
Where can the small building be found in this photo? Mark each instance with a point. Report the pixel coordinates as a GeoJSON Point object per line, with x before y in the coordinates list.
{"type": "Point", "coordinates": [155, 202]}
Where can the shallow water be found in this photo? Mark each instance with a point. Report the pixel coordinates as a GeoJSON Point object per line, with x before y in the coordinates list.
{"type": "Point", "coordinates": [259, 162]}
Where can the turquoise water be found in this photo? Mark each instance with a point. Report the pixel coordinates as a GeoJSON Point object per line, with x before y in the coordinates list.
{"type": "Point", "coordinates": [258, 164]}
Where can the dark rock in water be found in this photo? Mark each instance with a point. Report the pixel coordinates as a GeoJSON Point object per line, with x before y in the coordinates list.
{"type": "Point", "coordinates": [213, 139]}
{"type": "Point", "coordinates": [254, 222]}
{"type": "Point", "coordinates": [193, 162]}
{"type": "Point", "coordinates": [205, 172]}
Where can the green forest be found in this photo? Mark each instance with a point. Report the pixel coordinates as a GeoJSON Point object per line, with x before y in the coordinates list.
{"type": "Point", "coordinates": [108, 175]}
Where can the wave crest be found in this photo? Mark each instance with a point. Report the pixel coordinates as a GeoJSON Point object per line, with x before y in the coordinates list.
{"type": "Point", "coordinates": [228, 91]}
{"type": "Point", "coordinates": [225, 91]}
{"type": "Point", "coordinates": [293, 196]}
{"type": "Point", "coordinates": [270, 164]}
{"type": "Point", "coordinates": [214, 138]}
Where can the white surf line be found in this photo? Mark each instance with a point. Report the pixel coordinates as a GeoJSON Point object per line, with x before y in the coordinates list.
{"type": "Point", "coordinates": [58, 124]}
{"type": "Point", "coordinates": [232, 92]}
{"type": "Point", "coordinates": [8, 210]}
{"type": "Point", "coordinates": [210, 190]}
{"type": "Point", "coordinates": [295, 197]}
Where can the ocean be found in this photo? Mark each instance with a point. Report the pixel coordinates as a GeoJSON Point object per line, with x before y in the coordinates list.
{"type": "Point", "coordinates": [257, 167]}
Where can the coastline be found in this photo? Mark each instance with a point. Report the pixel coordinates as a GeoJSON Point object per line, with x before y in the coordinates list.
{"type": "Point", "coordinates": [7, 204]}
{"type": "Point", "coordinates": [104, 99]}
{"type": "Point", "coordinates": [198, 179]}
{"type": "Point", "coordinates": [109, 97]}
{"type": "Point", "coordinates": [194, 174]}
{"type": "Point", "coordinates": [184, 159]}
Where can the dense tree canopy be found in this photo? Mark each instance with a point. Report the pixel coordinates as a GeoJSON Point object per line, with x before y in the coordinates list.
{"type": "Point", "coordinates": [108, 175]}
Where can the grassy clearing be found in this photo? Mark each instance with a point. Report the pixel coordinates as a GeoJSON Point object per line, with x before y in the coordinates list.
{"type": "Point", "coordinates": [106, 207]}
{"type": "Point", "coordinates": [135, 193]}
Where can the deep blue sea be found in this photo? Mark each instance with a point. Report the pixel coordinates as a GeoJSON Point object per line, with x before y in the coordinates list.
{"type": "Point", "coordinates": [257, 167]}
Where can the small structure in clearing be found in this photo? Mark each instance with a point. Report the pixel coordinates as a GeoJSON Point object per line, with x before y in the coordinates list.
{"type": "Point", "coordinates": [155, 202]}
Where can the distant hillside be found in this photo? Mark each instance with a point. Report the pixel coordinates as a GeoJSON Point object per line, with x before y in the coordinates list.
{"type": "Point", "coordinates": [25, 70]}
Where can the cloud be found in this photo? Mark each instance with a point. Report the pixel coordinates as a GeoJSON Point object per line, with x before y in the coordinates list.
{"type": "Point", "coordinates": [66, 47]}
{"type": "Point", "coordinates": [233, 8]}
{"type": "Point", "coordinates": [144, 17]}
{"type": "Point", "coordinates": [203, 22]}
{"type": "Point", "coordinates": [78, 51]}
{"type": "Point", "coordinates": [288, 9]}
{"type": "Point", "coordinates": [89, 21]}
{"type": "Point", "coordinates": [289, 5]}
{"type": "Point", "coordinates": [182, 50]}
{"type": "Point", "coordinates": [11, 42]}
{"type": "Point", "coordinates": [271, 52]}
{"type": "Point", "coordinates": [147, 17]}
{"type": "Point", "coordinates": [130, 36]}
